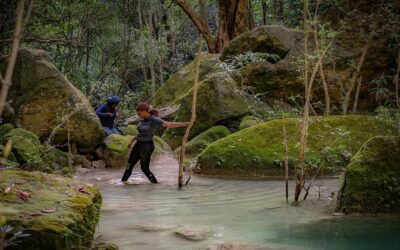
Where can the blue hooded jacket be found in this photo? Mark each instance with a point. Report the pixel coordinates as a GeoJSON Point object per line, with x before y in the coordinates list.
{"type": "Point", "coordinates": [105, 119]}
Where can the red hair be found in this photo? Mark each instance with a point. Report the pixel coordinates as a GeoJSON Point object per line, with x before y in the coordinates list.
{"type": "Point", "coordinates": [142, 106]}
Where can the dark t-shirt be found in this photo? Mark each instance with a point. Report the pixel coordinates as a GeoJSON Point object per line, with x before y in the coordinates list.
{"type": "Point", "coordinates": [147, 127]}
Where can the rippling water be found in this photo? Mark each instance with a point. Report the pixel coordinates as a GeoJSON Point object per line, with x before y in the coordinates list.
{"type": "Point", "coordinates": [140, 215]}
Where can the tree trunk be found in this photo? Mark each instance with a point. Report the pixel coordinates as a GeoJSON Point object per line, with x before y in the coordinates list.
{"type": "Point", "coordinates": [234, 19]}
{"type": "Point", "coordinates": [6, 81]}
{"type": "Point", "coordinates": [264, 11]}
{"type": "Point", "coordinates": [396, 80]}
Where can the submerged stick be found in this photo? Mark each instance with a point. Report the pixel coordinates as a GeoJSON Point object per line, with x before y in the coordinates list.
{"type": "Point", "coordinates": [193, 116]}
{"type": "Point", "coordinates": [285, 143]}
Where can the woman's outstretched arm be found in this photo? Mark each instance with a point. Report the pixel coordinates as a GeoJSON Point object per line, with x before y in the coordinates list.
{"type": "Point", "coordinates": [175, 124]}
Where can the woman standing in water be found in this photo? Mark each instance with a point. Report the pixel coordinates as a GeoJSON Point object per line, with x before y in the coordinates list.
{"type": "Point", "coordinates": [145, 145]}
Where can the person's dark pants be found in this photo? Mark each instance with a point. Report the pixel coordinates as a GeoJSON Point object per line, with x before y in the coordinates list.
{"type": "Point", "coordinates": [141, 151]}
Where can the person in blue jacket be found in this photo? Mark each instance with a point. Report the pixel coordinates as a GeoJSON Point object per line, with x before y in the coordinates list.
{"type": "Point", "coordinates": [107, 113]}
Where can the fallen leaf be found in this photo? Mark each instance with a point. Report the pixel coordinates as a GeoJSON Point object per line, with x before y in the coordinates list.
{"type": "Point", "coordinates": [22, 195]}
{"type": "Point", "coordinates": [81, 189]}
{"type": "Point", "coordinates": [36, 214]}
{"type": "Point", "coordinates": [49, 210]}
{"type": "Point", "coordinates": [7, 190]}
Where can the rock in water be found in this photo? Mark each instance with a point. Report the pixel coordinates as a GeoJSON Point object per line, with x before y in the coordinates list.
{"type": "Point", "coordinates": [201, 141]}
{"type": "Point", "coordinates": [57, 213]}
{"type": "Point", "coordinates": [257, 152]}
{"type": "Point", "coordinates": [194, 233]}
{"type": "Point", "coordinates": [372, 179]}
{"type": "Point", "coordinates": [43, 98]}
{"type": "Point", "coordinates": [105, 246]}
{"type": "Point", "coordinates": [114, 150]}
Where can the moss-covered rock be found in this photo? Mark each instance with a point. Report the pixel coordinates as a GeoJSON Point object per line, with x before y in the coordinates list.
{"type": "Point", "coordinates": [42, 97]}
{"type": "Point", "coordinates": [30, 154]}
{"type": "Point", "coordinates": [129, 130]}
{"type": "Point", "coordinates": [115, 152]}
{"type": "Point", "coordinates": [105, 246]}
{"type": "Point", "coordinates": [372, 179]}
{"type": "Point", "coordinates": [161, 148]}
{"type": "Point", "coordinates": [249, 121]}
{"type": "Point", "coordinates": [257, 152]}
{"type": "Point", "coordinates": [55, 215]}
{"type": "Point", "coordinates": [201, 141]}
{"type": "Point", "coordinates": [181, 82]}
{"type": "Point", "coordinates": [5, 129]}
{"type": "Point", "coordinates": [217, 103]}
{"type": "Point", "coordinates": [25, 146]}
{"type": "Point", "coordinates": [271, 39]}
{"type": "Point", "coordinates": [56, 161]}
{"type": "Point", "coordinates": [81, 160]}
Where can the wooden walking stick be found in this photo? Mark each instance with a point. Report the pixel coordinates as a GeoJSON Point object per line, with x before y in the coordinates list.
{"type": "Point", "coordinates": [193, 117]}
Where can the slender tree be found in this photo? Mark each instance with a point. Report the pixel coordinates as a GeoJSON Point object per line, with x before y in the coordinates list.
{"type": "Point", "coordinates": [193, 112]}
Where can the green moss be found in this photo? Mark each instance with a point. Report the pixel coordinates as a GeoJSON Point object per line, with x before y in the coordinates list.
{"type": "Point", "coordinates": [249, 121]}
{"type": "Point", "coordinates": [372, 179]}
{"type": "Point", "coordinates": [257, 152]}
{"type": "Point", "coordinates": [81, 160]}
{"type": "Point", "coordinates": [26, 146]}
{"type": "Point", "coordinates": [56, 161]}
{"type": "Point", "coordinates": [5, 129]}
{"type": "Point", "coordinates": [260, 39]}
{"type": "Point", "coordinates": [73, 223]}
{"type": "Point", "coordinates": [201, 141]}
{"type": "Point", "coordinates": [115, 150]}
{"type": "Point", "coordinates": [129, 130]}
{"type": "Point", "coordinates": [181, 82]}
{"type": "Point", "coordinates": [217, 103]}
{"type": "Point", "coordinates": [105, 246]}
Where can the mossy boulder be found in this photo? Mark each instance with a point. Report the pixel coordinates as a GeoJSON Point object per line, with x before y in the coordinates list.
{"type": "Point", "coordinates": [271, 39]}
{"type": "Point", "coordinates": [115, 152]}
{"type": "Point", "coordinates": [218, 103]}
{"type": "Point", "coordinates": [129, 130]}
{"type": "Point", "coordinates": [56, 161]}
{"type": "Point", "coordinates": [55, 215]}
{"type": "Point", "coordinates": [249, 121]}
{"type": "Point", "coordinates": [25, 146]}
{"type": "Point", "coordinates": [181, 82]}
{"type": "Point", "coordinates": [201, 141]}
{"type": "Point", "coordinates": [257, 152]}
{"type": "Point", "coordinates": [372, 179]}
{"type": "Point", "coordinates": [43, 97]}
{"type": "Point", "coordinates": [30, 154]}
{"type": "Point", "coordinates": [105, 246]}
{"type": "Point", "coordinates": [5, 129]}
{"type": "Point", "coordinates": [82, 161]}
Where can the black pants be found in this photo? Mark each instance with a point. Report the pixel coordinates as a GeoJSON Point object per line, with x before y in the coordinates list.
{"type": "Point", "coordinates": [141, 151]}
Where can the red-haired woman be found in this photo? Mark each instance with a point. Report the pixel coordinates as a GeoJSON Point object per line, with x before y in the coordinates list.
{"type": "Point", "coordinates": [144, 146]}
